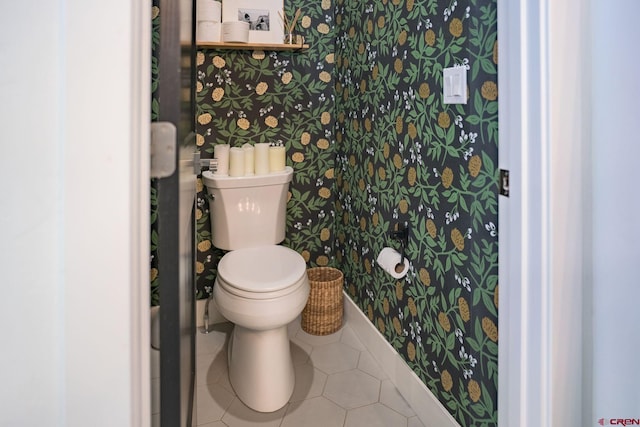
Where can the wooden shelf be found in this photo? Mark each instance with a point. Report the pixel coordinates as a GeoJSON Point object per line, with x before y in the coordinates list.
{"type": "Point", "coordinates": [251, 46]}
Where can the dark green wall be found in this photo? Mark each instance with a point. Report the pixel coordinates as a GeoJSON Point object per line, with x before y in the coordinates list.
{"type": "Point", "coordinates": [403, 156]}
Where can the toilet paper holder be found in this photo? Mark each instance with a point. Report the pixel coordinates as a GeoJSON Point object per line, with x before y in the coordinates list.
{"type": "Point", "coordinates": [401, 234]}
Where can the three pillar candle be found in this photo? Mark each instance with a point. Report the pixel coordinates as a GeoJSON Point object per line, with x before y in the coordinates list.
{"type": "Point", "coordinates": [249, 160]}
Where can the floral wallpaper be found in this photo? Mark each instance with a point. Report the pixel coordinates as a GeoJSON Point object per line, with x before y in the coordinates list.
{"type": "Point", "coordinates": [276, 97]}
{"type": "Point", "coordinates": [373, 146]}
{"type": "Point", "coordinates": [404, 156]}
{"type": "Point", "coordinates": [155, 109]}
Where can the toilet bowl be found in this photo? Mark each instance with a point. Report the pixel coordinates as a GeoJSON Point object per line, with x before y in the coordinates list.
{"type": "Point", "coordinates": [260, 286]}
{"type": "Point", "coordinates": [261, 290]}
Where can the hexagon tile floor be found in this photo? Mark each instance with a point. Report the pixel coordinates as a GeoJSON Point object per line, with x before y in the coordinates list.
{"type": "Point", "coordinates": [338, 384]}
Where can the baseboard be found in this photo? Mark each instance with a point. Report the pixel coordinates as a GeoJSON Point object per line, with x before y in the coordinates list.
{"type": "Point", "coordinates": [418, 396]}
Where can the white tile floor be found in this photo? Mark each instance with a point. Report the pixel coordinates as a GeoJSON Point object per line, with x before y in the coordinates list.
{"type": "Point", "coordinates": [338, 383]}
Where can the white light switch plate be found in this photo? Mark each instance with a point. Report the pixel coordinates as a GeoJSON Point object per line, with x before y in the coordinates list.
{"type": "Point", "coordinates": [454, 85]}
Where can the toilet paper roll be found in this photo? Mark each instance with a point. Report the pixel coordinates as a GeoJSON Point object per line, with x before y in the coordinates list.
{"type": "Point", "coordinates": [235, 31]}
{"type": "Point", "coordinates": [261, 153]}
{"type": "Point", "coordinates": [236, 162]}
{"type": "Point", "coordinates": [276, 159]}
{"type": "Point", "coordinates": [389, 260]}
{"type": "Point", "coordinates": [185, 24]}
{"type": "Point", "coordinates": [249, 161]}
{"type": "Point", "coordinates": [209, 10]}
{"type": "Point", "coordinates": [208, 31]}
{"type": "Point", "coordinates": [221, 152]}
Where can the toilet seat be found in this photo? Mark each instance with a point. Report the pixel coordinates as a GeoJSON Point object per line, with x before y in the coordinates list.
{"type": "Point", "coordinates": [262, 272]}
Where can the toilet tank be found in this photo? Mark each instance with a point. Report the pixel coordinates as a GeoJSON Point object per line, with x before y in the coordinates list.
{"type": "Point", "coordinates": [247, 211]}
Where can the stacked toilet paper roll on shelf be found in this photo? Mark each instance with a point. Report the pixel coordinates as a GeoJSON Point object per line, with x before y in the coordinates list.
{"type": "Point", "coordinates": [235, 31]}
{"type": "Point", "coordinates": [249, 160]}
{"type": "Point", "coordinates": [209, 17]}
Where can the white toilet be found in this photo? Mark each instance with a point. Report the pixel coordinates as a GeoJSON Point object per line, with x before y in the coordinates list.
{"type": "Point", "coordinates": [261, 287]}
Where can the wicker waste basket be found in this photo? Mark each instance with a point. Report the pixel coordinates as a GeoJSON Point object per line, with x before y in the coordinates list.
{"type": "Point", "coordinates": [324, 310]}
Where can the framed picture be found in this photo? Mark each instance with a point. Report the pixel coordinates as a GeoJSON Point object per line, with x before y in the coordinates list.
{"type": "Point", "coordinates": [265, 24]}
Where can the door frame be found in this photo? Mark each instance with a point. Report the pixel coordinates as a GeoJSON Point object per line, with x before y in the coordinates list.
{"type": "Point", "coordinates": [544, 128]}
{"type": "Point", "coordinates": [104, 48]}
{"type": "Point", "coordinates": [140, 205]}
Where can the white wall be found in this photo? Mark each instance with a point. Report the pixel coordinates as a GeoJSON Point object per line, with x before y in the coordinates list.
{"type": "Point", "coordinates": [31, 273]}
{"type": "Point", "coordinates": [615, 35]}
{"type": "Point", "coordinates": [74, 79]}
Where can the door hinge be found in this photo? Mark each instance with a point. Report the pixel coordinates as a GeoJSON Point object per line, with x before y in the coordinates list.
{"type": "Point", "coordinates": [163, 149]}
{"type": "Point", "coordinates": [504, 182]}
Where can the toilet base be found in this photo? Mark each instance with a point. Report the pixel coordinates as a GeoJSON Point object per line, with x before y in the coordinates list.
{"type": "Point", "coordinates": [260, 367]}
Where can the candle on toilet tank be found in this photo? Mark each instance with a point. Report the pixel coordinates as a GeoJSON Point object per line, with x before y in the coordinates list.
{"type": "Point", "coordinates": [249, 161]}
{"type": "Point", "coordinates": [221, 152]}
{"type": "Point", "coordinates": [236, 162]}
{"type": "Point", "coordinates": [276, 158]}
{"type": "Point", "coordinates": [261, 154]}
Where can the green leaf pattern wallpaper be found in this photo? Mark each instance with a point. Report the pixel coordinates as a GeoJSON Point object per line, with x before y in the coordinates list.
{"type": "Point", "coordinates": [275, 97]}
{"type": "Point", "coordinates": [372, 146]}
{"type": "Point", "coordinates": [404, 156]}
{"type": "Point", "coordinates": [155, 110]}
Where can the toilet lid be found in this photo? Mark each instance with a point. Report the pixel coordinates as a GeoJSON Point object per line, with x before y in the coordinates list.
{"type": "Point", "coordinates": [262, 269]}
